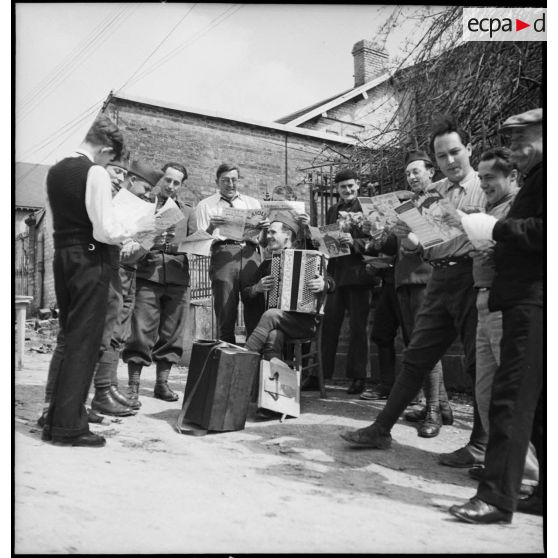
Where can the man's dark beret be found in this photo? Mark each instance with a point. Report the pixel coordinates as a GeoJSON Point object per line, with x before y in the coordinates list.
{"type": "Point", "coordinates": [345, 174]}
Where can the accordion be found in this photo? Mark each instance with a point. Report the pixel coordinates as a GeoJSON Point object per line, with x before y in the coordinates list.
{"type": "Point", "coordinates": [292, 269]}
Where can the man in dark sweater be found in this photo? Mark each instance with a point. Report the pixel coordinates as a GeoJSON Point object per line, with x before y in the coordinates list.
{"type": "Point", "coordinates": [86, 238]}
{"type": "Point", "coordinates": [162, 297]}
{"type": "Point", "coordinates": [352, 291]}
{"type": "Point", "coordinates": [517, 291]}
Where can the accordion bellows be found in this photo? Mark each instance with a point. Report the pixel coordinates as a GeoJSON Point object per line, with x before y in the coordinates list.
{"type": "Point", "coordinates": [292, 269]}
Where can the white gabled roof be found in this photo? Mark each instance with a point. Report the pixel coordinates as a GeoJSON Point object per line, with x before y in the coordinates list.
{"type": "Point", "coordinates": [332, 103]}
{"type": "Point", "coordinates": [288, 128]}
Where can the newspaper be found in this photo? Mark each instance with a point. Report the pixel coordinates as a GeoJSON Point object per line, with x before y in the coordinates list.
{"type": "Point", "coordinates": [197, 243]}
{"type": "Point", "coordinates": [166, 218]}
{"type": "Point", "coordinates": [241, 224]}
{"type": "Point", "coordinates": [327, 237]}
{"type": "Point", "coordinates": [425, 215]}
{"type": "Point", "coordinates": [275, 208]}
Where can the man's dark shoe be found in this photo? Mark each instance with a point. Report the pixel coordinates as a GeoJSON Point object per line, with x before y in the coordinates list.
{"type": "Point", "coordinates": [89, 440]}
{"type": "Point", "coordinates": [370, 437]}
{"type": "Point", "coordinates": [123, 400]}
{"type": "Point", "coordinates": [310, 383]}
{"type": "Point", "coordinates": [477, 511]}
{"type": "Point", "coordinates": [41, 421]}
{"type": "Point", "coordinates": [375, 394]}
{"type": "Point", "coordinates": [357, 386]}
{"type": "Point", "coordinates": [462, 458]}
{"type": "Point", "coordinates": [93, 417]}
{"type": "Point", "coordinates": [103, 402]}
{"type": "Point", "coordinates": [532, 505]}
{"type": "Point", "coordinates": [164, 392]}
{"type": "Point", "coordinates": [418, 415]}
{"type": "Point", "coordinates": [432, 423]}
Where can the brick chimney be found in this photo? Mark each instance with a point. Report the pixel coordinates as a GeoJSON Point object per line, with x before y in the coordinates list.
{"type": "Point", "coordinates": [370, 61]}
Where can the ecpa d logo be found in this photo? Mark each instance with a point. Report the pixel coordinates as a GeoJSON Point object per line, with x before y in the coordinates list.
{"type": "Point", "coordinates": [504, 24]}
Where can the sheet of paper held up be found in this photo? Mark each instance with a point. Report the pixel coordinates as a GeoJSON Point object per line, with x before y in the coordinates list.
{"type": "Point", "coordinates": [168, 215]}
{"type": "Point", "coordinates": [197, 243]}
{"type": "Point", "coordinates": [129, 209]}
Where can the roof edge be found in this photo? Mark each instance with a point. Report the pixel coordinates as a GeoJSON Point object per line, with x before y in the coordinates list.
{"type": "Point", "coordinates": [223, 116]}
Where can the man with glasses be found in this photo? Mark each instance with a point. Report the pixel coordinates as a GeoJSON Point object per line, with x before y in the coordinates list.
{"type": "Point", "coordinates": [233, 264]}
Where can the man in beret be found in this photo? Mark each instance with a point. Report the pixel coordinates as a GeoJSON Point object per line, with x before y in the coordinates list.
{"type": "Point", "coordinates": [516, 406]}
{"type": "Point", "coordinates": [352, 292]}
{"type": "Point", "coordinates": [141, 178]}
{"type": "Point", "coordinates": [269, 335]}
{"type": "Point", "coordinates": [162, 297]}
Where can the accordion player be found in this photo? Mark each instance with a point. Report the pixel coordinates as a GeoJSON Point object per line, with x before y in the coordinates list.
{"type": "Point", "coordinates": [292, 269]}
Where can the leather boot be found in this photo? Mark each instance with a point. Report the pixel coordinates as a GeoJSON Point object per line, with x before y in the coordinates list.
{"type": "Point", "coordinates": [133, 394]}
{"type": "Point", "coordinates": [122, 399]}
{"type": "Point", "coordinates": [162, 389]}
{"type": "Point", "coordinates": [432, 423]}
{"type": "Point", "coordinates": [134, 373]}
{"type": "Point", "coordinates": [418, 415]}
{"type": "Point", "coordinates": [103, 402]}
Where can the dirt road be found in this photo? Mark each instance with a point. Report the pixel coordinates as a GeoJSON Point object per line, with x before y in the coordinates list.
{"type": "Point", "coordinates": [274, 487]}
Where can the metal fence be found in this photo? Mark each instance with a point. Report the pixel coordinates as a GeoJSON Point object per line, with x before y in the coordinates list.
{"type": "Point", "coordinates": [199, 277]}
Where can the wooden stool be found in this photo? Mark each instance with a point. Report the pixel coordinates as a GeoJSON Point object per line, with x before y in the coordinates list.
{"type": "Point", "coordinates": [301, 362]}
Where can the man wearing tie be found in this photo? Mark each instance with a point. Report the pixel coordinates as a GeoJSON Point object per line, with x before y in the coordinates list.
{"type": "Point", "coordinates": [233, 263]}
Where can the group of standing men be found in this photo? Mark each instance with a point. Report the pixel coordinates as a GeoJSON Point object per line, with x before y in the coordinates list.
{"type": "Point", "coordinates": [435, 294]}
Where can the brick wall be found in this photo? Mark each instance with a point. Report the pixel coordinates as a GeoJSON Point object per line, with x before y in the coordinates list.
{"type": "Point", "coordinates": [266, 157]}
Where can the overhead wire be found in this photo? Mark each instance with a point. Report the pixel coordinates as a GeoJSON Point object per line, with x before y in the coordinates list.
{"type": "Point", "coordinates": [212, 24]}
{"type": "Point", "coordinates": [157, 47]}
{"type": "Point", "coordinates": [55, 71]}
{"type": "Point", "coordinates": [107, 31]}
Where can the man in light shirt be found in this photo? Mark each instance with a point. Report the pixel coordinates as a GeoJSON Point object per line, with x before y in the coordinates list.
{"type": "Point", "coordinates": [86, 250]}
{"type": "Point", "coordinates": [233, 264]}
{"type": "Point", "coordinates": [449, 305]}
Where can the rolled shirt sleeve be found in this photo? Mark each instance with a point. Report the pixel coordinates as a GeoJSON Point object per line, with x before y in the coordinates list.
{"type": "Point", "coordinates": [98, 202]}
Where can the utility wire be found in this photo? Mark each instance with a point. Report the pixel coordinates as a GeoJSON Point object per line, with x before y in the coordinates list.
{"type": "Point", "coordinates": [55, 71]}
{"type": "Point", "coordinates": [107, 31]}
{"type": "Point", "coordinates": [214, 23]}
{"type": "Point", "coordinates": [157, 48]}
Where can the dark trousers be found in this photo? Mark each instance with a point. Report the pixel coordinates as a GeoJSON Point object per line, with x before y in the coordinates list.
{"type": "Point", "coordinates": [157, 323]}
{"type": "Point", "coordinates": [82, 276]}
{"type": "Point", "coordinates": [119, 314]}
{"type": "Point", "coordinates": [449, 309]}
{"type": "Point", "coordinates": [356, 300]}
{"type": "Point", "coordinates": [410, 299]}
{"type": "Point", "coordinates": [516, 392]}
{"type": "Point", "coordinates": [274, 327]}
{"type": "Point", "coordinates": [233, 267]}
{"type": "Point", "coordinates": [384, 330]}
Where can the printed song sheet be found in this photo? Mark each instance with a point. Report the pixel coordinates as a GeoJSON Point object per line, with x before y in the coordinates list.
{"type": "Point", "coordinates": [328, 238]}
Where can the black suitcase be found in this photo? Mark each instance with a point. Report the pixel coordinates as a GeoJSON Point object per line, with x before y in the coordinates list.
{"type": "Point", "coordinates": [217, 392]}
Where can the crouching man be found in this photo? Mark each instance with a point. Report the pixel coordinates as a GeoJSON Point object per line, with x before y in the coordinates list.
{"type": "Point", "coordinates": [275, 325]}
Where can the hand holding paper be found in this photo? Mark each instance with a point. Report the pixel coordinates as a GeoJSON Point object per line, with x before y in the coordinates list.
{"type": "Point", "coordinates": [478, 226]}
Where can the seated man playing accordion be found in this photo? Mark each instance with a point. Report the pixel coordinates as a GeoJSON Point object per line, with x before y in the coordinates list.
{"type": "Point", "coordinates": [275, 325]}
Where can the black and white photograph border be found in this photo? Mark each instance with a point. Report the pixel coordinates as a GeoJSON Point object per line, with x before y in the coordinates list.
{"type": "Point", "coordinates": [291, 94]}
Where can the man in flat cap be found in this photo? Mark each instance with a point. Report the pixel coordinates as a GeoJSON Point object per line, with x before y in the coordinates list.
{"type": "Point", "coordinates": [269, 335]}
{"type": "Point", "coordinates": [162, 297]}
{"type": "Point", "coordinates": [516, 406]}
{"type": "Point", "coordinates": [352, 292]}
